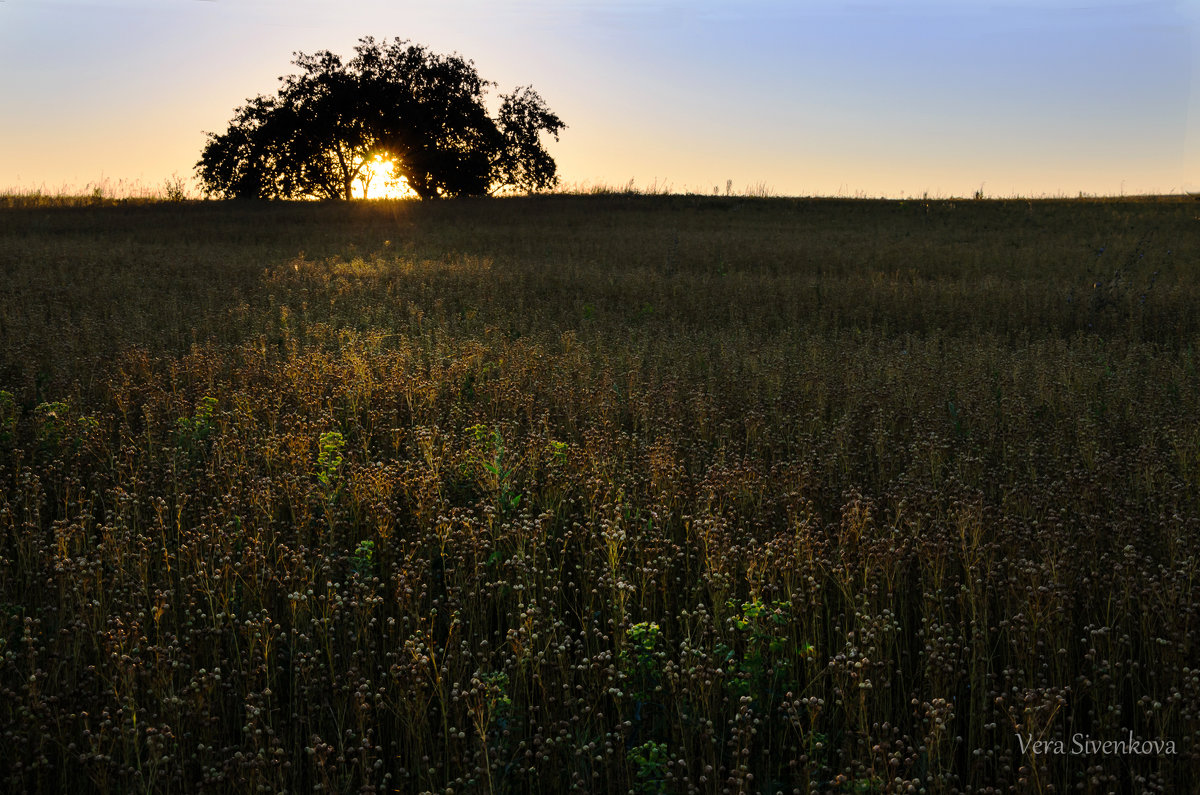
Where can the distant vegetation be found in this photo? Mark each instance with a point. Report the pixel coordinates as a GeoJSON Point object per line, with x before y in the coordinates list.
{"type": "Point", "coordinates": [395, 111]}
{"type": "Point", "coordinates": [599, 494]}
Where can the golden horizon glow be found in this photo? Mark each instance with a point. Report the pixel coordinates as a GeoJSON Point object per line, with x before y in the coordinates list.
{"type": "Point", "coordinates": [376, 182]}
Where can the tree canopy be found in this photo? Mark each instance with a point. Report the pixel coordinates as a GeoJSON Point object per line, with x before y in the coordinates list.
{"type": "Point", "coordinates": [393, 102]}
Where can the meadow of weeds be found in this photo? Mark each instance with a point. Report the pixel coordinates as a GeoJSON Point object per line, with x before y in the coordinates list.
{"type": "Point", "coordinates": [600, 494]}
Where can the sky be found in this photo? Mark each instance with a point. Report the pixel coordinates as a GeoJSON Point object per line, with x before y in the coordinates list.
{"type": "Point", "coordinates": [805, 97]}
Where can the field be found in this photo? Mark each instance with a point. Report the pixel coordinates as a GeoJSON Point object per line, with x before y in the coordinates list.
{"type": "Point", "coordinates": [600, 494]}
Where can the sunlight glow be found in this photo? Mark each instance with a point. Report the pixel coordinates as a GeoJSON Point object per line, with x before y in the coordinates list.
{"type": "Point", "coordinates": [376, 182]}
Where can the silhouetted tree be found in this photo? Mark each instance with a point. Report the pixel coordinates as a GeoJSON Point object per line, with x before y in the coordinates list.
{"type": "Point", "coordinates": [393, 101]}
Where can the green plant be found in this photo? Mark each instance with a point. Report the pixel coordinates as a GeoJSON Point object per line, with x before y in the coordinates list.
{"type": "Point", "coordinates": [329, 475]}
{"type": "Point", "coordinates": [197, 428]}
{"type": "Point", "coordinates": [650, 767]}
{"type": "Point", "coordinates": [497, 470]}
{"type": "Point", "coordinates": [762, 660]}
{"type": "Point", "coordinates": [362, 562]}
{"type": "Point", "coordinates": [639, 656]}
{"type": "Point", "coordinates": [51, 422]}
{"type": "Point", "coordinates": [329, 459]}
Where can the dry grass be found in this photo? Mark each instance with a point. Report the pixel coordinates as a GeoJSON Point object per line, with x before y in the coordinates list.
{"type": "Point", "coordinates": [599, 494]}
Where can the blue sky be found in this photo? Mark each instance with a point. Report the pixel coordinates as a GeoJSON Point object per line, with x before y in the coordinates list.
{"type": "Point", "coordinates": [827, 97]}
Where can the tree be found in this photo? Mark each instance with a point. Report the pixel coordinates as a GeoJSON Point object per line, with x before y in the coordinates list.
{"type": "Point", "coordinates": [392, 102]}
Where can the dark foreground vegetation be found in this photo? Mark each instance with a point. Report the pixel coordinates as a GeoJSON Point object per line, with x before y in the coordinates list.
{"type": "Point", "coordinates": [600, 494]}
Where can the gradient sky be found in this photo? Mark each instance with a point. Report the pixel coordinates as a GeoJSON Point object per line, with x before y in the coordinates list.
{"type": "Point", "coordinates": [824, 97]}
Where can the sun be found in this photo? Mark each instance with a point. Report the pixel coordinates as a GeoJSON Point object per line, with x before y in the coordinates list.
{"type": "Point", "coordinates": [375, 182]}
